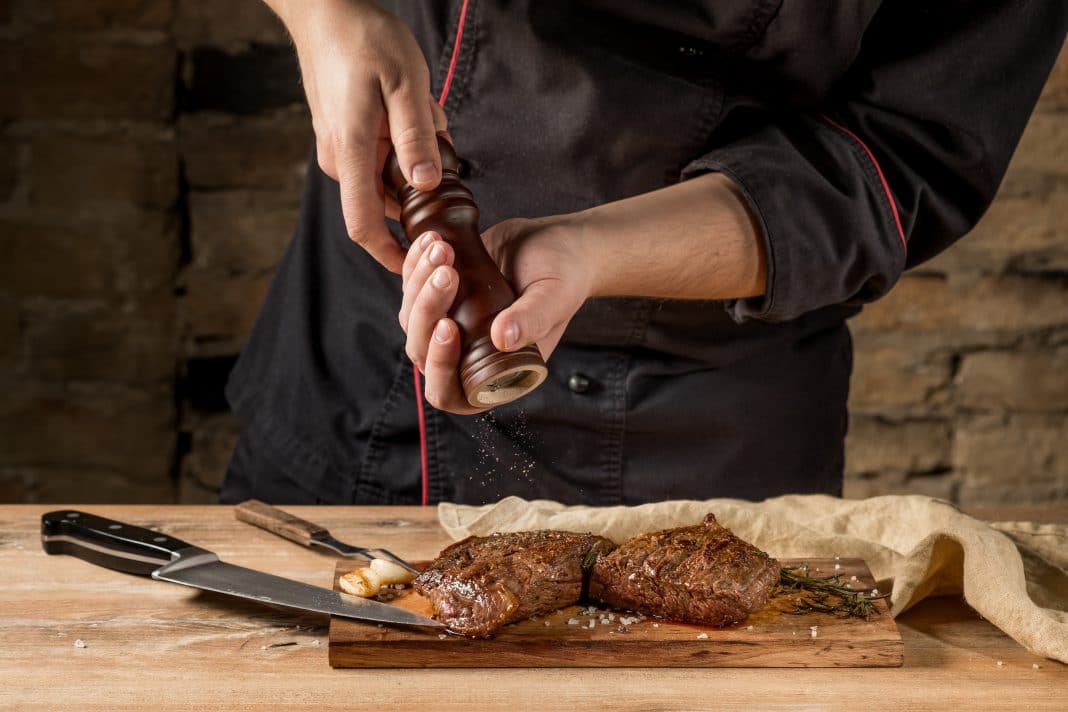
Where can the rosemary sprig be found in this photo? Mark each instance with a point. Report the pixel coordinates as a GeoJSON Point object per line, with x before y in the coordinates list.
{"type": "Point", "coordinates": [826, 594]}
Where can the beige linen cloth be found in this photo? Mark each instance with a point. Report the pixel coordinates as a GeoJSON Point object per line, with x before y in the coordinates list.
{"type": "Point", "coordinates": [1015, 574]}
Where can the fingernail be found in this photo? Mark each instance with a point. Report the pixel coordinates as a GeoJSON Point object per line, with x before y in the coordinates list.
{"type": "Point", "coordinates": [423, 172]}
{"type": "Point", "coordinates": [437, 255]}
{"type": "Point", "coordinates": [427, 238]}
{"type": "Point", "coordinates": [511, 335]}
{"type": "Point", "coordinates": [441, 332]}
{"type": "Point", "coordinates": [441, 279]}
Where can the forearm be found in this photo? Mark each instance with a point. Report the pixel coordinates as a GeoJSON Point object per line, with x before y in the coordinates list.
{"type": "Point", "coordinates": [287, 11]}
{"type": "Point", "coordinates": [299, 15]}
{"type": "Point", "coordinates": [291, 11]}
{"type": "Point", "coordinates": [693, 240]}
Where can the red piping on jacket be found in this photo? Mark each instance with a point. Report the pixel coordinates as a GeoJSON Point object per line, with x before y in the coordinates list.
{"type": "Point", "coordinates": [417, 380]}
{"type": "Point", "coordinates": [455, 55]}
{"type": "Point", "coordinates": [424, 467]}
{"type": "Point", "coordinates": [879, 170]}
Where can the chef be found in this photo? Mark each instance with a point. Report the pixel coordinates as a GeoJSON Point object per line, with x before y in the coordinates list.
{"type": "Point", "coordinates": [691, 199]}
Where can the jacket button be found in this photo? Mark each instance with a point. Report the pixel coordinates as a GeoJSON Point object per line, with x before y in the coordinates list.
{"type": "Point", "coordinates": [578, 383]}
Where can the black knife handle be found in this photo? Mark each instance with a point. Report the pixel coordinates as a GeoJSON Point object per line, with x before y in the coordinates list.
{"type": "Point", "coordinates": [107, 543]}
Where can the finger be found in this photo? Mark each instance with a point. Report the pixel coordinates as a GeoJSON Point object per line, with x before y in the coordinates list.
{"type": "Point", "coordinates": [441, 121]}
{"type": "Point", "coordinates": [356, 157]}
{"type": "Point", "coordinates": [542, 307]}
{"type": "Point", "coordinates": [411, 128]}
{"type": "Point", "coordinates": [415, 251]}
{"type": "Point", "coordinates": [430, 304]}
{"type": "Point", "coordinates": [441, 125]}
{"type": "Point", "coordinates": [392, 209]}
{"type": "Point", "coordinates": [436, 254]}
{"type": "Point", "coordinates": [443, 389]}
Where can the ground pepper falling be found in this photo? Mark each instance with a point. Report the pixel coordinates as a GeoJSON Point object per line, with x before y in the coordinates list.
{"type": "Point", "coordinates": [497, 469]}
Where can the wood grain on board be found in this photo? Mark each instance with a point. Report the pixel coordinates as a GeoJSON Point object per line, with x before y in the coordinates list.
{"type": "Point", "coordinates": [770, 637]}
{"type": "Point", "coordinates": [159, 646]}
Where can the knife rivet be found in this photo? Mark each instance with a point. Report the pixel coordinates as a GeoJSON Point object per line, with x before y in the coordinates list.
{"type": "Point", "coordinates": [73, 515]}
{"type": "Point", "coordinates": [114, 526]}
{"type": "Point", "coordinates": [160, 539]}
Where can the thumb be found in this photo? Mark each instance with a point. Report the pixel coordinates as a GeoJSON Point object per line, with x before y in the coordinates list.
{"type": "Point", "coordinates": [532, 317]}
{"type": "Point", "coordinates": [414, 135]}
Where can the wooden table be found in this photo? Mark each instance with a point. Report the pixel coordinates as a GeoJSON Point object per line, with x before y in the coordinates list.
{"type": "Point", "coordinates": [152, 645]}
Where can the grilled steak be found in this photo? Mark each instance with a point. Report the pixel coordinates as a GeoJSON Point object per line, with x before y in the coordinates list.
{"type": "Point", "coordinates": [700, 574]}
{"type": "Point", "coordinates": [481, 583]}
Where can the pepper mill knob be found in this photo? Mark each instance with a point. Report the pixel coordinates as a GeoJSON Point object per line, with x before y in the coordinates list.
{"type": "Point", "coordinates": [489, 377]}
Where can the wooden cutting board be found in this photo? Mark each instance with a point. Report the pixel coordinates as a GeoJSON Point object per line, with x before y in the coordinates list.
{"type": "Point", "coordinates": [771, 637]}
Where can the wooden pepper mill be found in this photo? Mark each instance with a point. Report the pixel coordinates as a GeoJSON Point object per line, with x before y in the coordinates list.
{"type": "Point", "coordinates": [489, 377]}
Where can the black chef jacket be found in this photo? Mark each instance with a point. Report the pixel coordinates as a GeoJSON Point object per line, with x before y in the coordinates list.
{"type": "Point", "coordinates": [866, 136]}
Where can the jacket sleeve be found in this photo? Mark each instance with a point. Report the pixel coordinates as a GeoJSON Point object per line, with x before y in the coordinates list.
{"type": "Point", "coordinates": [900, 160]}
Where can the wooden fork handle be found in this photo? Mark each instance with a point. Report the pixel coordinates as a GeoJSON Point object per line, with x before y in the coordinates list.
{"type": "Point", "coordinates": [278, 522]}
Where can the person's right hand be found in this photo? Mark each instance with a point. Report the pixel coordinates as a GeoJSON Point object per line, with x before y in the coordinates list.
{"type": "Point", "coordinates": [368, 87]}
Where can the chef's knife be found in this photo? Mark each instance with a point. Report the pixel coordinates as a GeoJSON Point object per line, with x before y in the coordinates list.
{"type": "Point", "coordinates": [129, 548]}
{"type": "Point", "coordinates": [307, 533]}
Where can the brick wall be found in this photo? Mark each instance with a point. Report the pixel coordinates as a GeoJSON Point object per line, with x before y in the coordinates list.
{"type": "Point", "coordinates": [961, 382]}
{"type": "Point", "coordinates": [89, 252]}
{"type": "Point", "coordinates": [243, 141]}
{"type": "Point", "coordinates": [151, 157]}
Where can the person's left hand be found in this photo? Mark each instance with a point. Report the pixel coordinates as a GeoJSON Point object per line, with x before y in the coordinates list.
{"type": "Point", "coordinates": [546, 264]}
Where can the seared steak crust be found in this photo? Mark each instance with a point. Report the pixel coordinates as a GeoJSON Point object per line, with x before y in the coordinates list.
{"type": "Point", "coordinates": [482, 583]}
{"type": "Point", "coordinates": [700, 574]}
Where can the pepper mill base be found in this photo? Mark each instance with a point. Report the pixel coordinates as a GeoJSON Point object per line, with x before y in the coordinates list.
{"type": "Point", "coordinates": [492, 378]}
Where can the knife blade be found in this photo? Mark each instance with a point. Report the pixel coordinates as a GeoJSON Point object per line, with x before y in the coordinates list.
{"type": "Point", "coordinates": [126, 547]}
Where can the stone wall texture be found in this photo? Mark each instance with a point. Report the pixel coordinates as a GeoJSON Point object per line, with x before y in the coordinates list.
{"type": "Point", "coordinates": [151, 158]}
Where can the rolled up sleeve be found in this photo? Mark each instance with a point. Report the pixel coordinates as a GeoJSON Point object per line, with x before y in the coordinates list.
{"type": "Point", "coordinates": [900, 160]}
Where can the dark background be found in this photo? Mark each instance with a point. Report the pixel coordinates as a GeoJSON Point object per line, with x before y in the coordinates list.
{"type": "Point", "coordinates": [151, 158]}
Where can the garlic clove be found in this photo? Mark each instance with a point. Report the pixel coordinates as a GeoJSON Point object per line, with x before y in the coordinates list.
{"type": "Point", "coordinates": [361, 582]}
{"type": "Point", "coordinates": [389, 572]}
